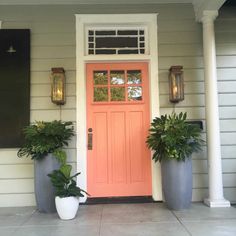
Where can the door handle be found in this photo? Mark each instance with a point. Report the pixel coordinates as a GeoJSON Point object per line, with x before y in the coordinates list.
{"type": "Point", "coordinates": [90, 139]}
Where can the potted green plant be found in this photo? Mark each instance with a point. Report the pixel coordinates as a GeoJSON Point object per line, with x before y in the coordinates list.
{"type": "Point", "coordinates": [173, 140]}
{"type": "Point", "coordinates": [67, 192]}
{"type": "Point", "coordinates": [43, 143]}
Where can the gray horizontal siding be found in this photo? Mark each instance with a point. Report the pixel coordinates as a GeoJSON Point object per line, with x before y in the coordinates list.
{"type": "Point", "coordinates": [179, 42]}
{"type": "Point", "coordinates": [226, 62]}
{"type": "Point", "coordinates": [189, 54]}
{"type": "Point", "coordinates": [52, 45]}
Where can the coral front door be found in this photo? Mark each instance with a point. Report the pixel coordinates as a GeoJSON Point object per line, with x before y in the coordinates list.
{"type": "Point", "coordinates": [119, 163]}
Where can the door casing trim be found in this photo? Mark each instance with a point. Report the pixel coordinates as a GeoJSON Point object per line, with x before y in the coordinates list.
{"type": "Point", "coordinates": [84, 20]}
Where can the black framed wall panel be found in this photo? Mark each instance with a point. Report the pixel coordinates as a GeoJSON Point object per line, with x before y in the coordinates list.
{"type": "Point", "coordinates": [14, 85]}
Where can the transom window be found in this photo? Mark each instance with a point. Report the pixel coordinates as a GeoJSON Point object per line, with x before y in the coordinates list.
{"type": "Point", "coordinates": [117, 86]}
{"type": "Point", "coordinates": [116, 41]}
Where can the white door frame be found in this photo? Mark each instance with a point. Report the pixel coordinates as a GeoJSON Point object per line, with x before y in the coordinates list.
{"type": "Point", "coordinates": [85, 20]}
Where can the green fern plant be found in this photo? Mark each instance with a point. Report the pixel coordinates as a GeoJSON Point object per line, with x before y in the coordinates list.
{"type": "Point", "coordinates": [42, 138]}
{"type": "Point", "coordinates": [171, 137]}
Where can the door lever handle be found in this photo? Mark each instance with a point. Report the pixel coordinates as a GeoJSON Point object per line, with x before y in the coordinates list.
{"type": "Point", "coordinates": [90, 139]}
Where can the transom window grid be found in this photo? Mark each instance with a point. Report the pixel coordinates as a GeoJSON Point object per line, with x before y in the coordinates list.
{"type": "Point", "coordinates": [116, 41]}
{"type": "Point", "coordinates": [117, 86]}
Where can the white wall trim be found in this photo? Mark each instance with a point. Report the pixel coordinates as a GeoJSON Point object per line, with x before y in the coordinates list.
{"type": "Point", "coordinates": [84, 20]}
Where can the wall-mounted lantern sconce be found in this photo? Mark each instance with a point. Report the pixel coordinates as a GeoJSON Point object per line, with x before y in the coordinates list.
{"type": "Point", "coordinates": [58, 80]}
{"type": "Point", "coordinates": [176, 84]}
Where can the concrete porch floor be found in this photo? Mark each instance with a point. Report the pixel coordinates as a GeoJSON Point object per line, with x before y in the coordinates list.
{"type": "Point", "coordinates": [121, 219]}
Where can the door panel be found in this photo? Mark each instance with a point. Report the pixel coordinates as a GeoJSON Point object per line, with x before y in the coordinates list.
{"type": "Point", "coordinates": [118, 147]}
{"type": "Point", "coordinates": [119, 163]}
{"type": "Point", "coordinates": [100, 146]}
{"type": "Point", "coordinates": [136, 147]}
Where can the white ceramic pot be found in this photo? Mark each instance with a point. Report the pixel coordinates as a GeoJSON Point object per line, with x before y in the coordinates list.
{"type": "Point", "coordinates": [67, 207]}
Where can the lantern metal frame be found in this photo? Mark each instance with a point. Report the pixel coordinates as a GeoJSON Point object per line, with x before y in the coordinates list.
{"type": "Point", "coordinates": [58, 86]}
{"type": "Point", "coordinates": [176, 84]}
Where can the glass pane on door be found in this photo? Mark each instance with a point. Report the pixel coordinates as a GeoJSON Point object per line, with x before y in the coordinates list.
{"type": "Point", "coordinates": [100, 78]}
{"type": "Point", "coordinates": [117, 77]}
{"type": "Point", "coordinates": [100, 95]}
{"type": "Point", "coordinates": [134, 77]}
{"type": "Point", "coordinates": [118, 94]}
{"type": "Point", "coordinates": [134, 93]}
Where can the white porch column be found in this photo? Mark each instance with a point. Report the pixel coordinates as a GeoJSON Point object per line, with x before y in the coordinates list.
{"type": "Point", "coordinates": [216, 198]}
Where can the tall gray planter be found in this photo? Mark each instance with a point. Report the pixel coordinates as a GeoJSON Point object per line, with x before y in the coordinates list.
{"type": "Point", "coordinates": [177, 183]}
{"type": "Point", "coordinates": [44, 191]}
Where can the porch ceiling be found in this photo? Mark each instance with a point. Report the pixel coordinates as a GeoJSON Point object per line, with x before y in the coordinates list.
{"type": "Point", "coordinates": [199, 5]}
{"type": "Point", "coordinates": [65, 2]}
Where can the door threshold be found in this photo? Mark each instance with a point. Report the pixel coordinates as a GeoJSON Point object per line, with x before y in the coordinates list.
{"type": "Point", "coordinates": [117, 200]}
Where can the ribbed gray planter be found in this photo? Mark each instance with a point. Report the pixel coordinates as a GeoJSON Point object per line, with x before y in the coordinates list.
{"type": "Point", "coordinates": [177, 183]}
{"type": "Point", "coordinates": [44, 191]}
